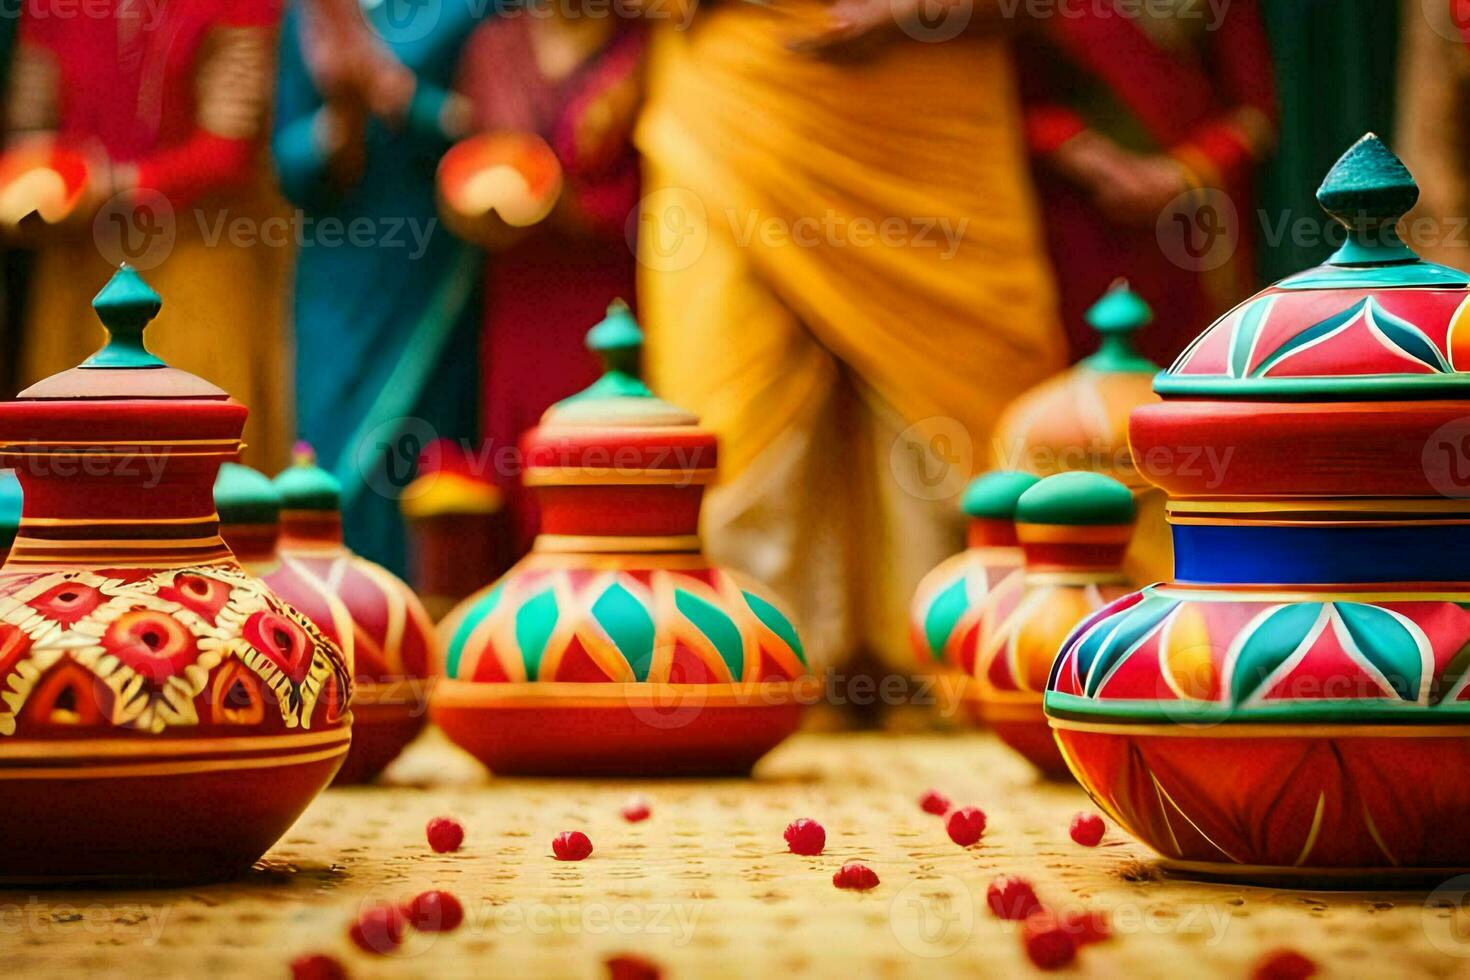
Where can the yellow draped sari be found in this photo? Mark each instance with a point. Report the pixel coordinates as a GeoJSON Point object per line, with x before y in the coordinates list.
{"type": "Point", "coordinates": [841, 270]}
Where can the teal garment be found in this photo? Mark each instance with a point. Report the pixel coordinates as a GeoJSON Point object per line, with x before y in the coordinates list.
{"type": "Point", "coordinates": [1336, 78]}
{"type": "Point", "coordinates": [385, 304]}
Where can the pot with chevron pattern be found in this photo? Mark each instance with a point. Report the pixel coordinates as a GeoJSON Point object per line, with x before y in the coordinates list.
{"type": "Point", "coordinates": [1295, 704]}
{"type": "Point", "coordinates": [616, 647]}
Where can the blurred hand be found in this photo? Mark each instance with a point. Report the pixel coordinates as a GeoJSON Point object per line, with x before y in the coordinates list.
{"type": "Point", "coordinates": [348, 63]}
{"type": "Point", "coordinates": [1129, 188]}
{"type": "Point", "coordinates": [855, 29]}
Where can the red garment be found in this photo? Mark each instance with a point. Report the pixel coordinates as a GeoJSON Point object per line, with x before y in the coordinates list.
{"type": "Point", "coordinates": [546, 291]}
{"type": "Point", "coordinates": [1105, 71]}
{"type": "Point", "coordinates": [127, 80]}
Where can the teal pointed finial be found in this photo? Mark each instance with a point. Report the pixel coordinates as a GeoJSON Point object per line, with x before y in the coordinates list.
{"type": "Point", "coordinates": [1116, 316]}
{"type": "Point", "coordinates": [1368, 190]}
{"type": "Point", "coordinates": [125, 306]}
{"type": "Point", "coordinates": [617, 339]}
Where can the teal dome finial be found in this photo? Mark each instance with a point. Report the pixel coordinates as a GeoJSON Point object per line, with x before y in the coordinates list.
{"type": "Point", "coordinates": [1078, 498]}
{"type": "Point", "coordinates": [1116, 316]}
{"type": "Point", "coordinates": [245, 496]}
{"type": "Point", "coordinates": [993, 495]}
{"type": "Point", "coordinates": [306, 486]}
{"type": "Point", "coordinates": [125, 306]}
{"type": "Point", "coordinates": [1368, 190]}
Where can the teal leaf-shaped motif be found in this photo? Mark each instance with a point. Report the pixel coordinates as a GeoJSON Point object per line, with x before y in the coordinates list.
{"type": "Point", "coordinates": [1270, 645]}
{"type": "Point", "coordinates": [1387, 644]}
{"type": "Point", "coordinates": [1317, 331]}
{"type": "Point", "coordinates": [534, 622]}
{"type": "Point", "coordinates": [1407, 338]}
{"type": "Point", "coordinates": [628, 624]}
{"type": "Point", "coordinates": [776, 622]}
{"type": "Point", "coordinates": [478, 613]}
{"type": "Point", "coordinates": [717, 626]}
{"type": "Point", "coordinates": [1252, 319]}
{"type": "Point", "coordinates": [1114, 645]}
{"type": "Point", "coordinates": [944, 612]}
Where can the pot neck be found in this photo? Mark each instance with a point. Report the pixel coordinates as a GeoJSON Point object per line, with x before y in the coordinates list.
{"type": "Point", "coordinates": [1076, 553]}
{"type": "Point", "coordinates": [1320, 542]}
{"type": "Point", "coordinates": [988, 532]}
{"type": "Point", "coordinates": [311, 530]}
{"type": "Point", "coordinates": [252, 543]}
{"type": "Point", "coordinates": [116, 510]}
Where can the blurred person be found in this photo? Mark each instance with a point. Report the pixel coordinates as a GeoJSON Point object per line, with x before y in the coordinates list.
{"type": "Point", "coordinates": [166, 104]}
{"type": "Point", "coordinates": [384, 303]}
{"type": "Point", "coordinates": [1434, 108]}
{"type": "Point", "coordinates": [842, 271]}
{"type": "Point", "coordinates": [571, 78]}
{"type": "Point", "coordinates": [1126, 112]}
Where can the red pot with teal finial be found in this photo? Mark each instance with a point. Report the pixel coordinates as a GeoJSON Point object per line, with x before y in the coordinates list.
{"type": "Point", "coordinates": [163, 715]}
{"type": "Point", "coordinates": [952, 602]}
{"type": "Point", "coordinates": [1295, 703]}
{"type": "Point", "coordinates": [616, 646]}
{"type": "Point", "coordinates": [393, 641]}
{"type": "Point", "coordinates": [1074, 530]}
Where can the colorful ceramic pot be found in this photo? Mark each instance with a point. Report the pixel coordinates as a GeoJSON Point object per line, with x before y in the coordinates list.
{"type": "Point", "coordinates": [1074, 530]}
{"type": "Point", "coordinates": [1078, 420]}
{"type": "Point", "coordinates": [164, 715]}
{"type": "Point", "coordinates": [615, 646]}
{"type": "Point", "coordinates": [395, 648]}
{"type": "Point", "coordinates": [1296, 702]}
{"type": "Point", "coordinates": [945, 618]}
{"type": "Point", "coordinates": [457, 530]}
{"type": "Point", "coordinates": [249, 509]}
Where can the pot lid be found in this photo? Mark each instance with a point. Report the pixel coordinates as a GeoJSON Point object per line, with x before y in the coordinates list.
{"type": "Point", "coordinates": [123, 367]}
{"type": "Point", "coordinates": [243, 495]}
{"type": "Point", "coordinates": [1077, 500]}
{"type": "Point", "coordinates": [993, 495]}
{"type": "Point", "coordinates": [306, 486]}
{"type": "Point", "coordinates": [122, 400]}
{"type": "Point", "coordinates": [449, 482]}
{"type": "Point", "coordinates": [1373, 322]}
{"type": "Point", "coordinates": [1117, 316]}
{"type": "Point", "coordinates": [617, 430]}
{"type": "Point", "coordinates": [1078, 419]}
{"type": "Point", "coordinates": [619, 397]}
